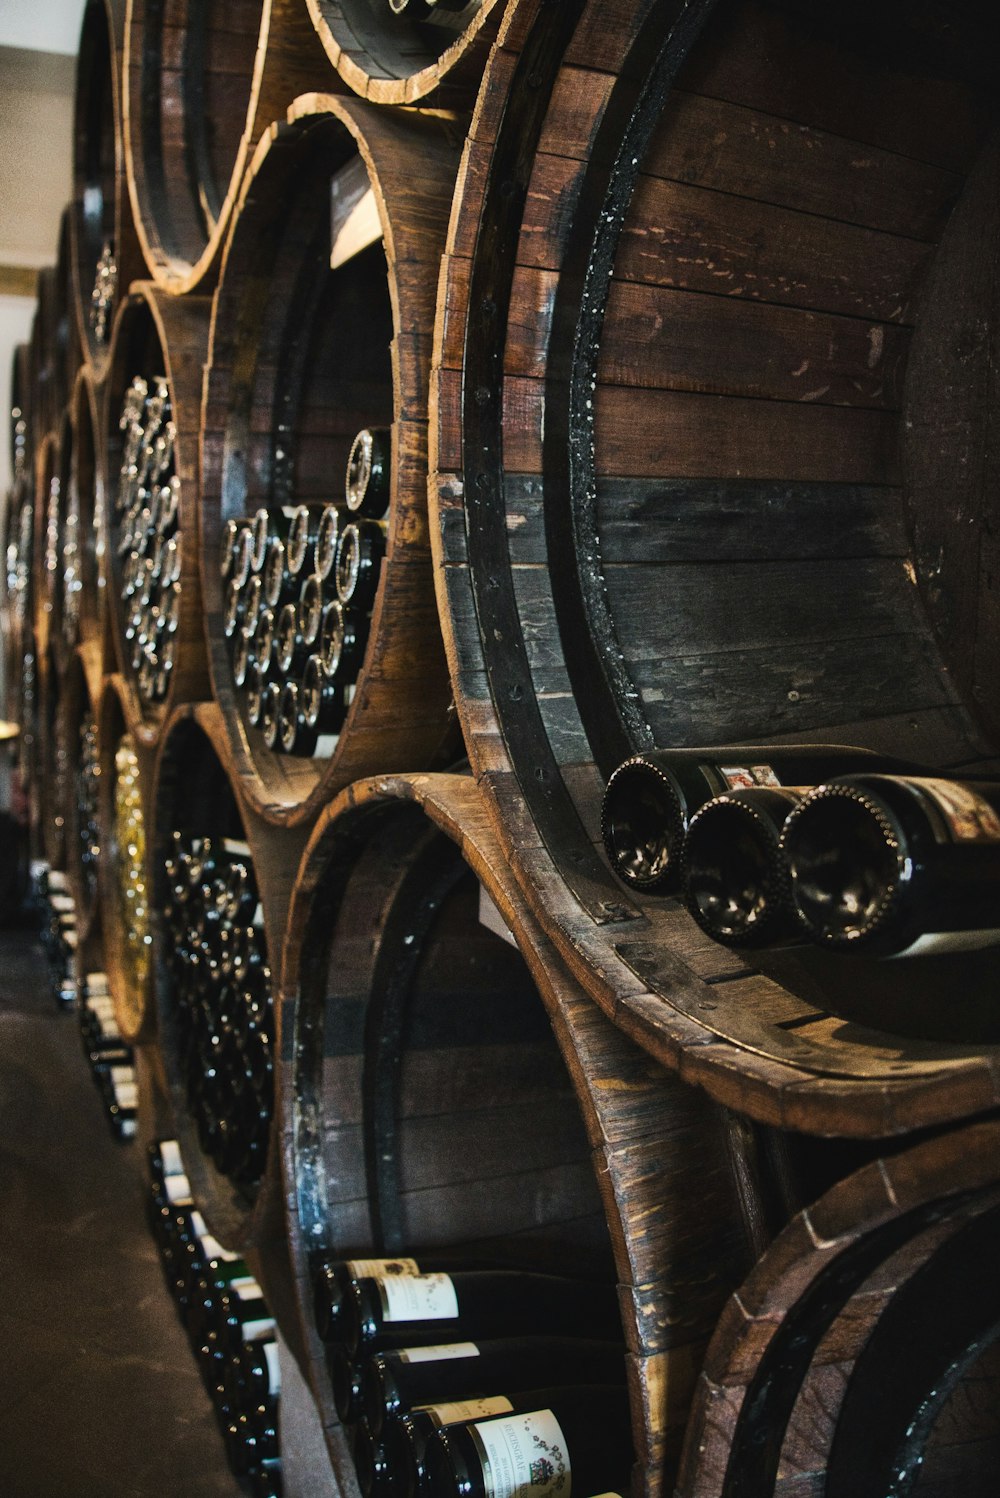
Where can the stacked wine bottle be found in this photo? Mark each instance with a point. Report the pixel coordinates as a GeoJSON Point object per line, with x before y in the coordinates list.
{"type": "Point", "coordinates": [230, 1329]}
{"type": "Point", "coordinates": [441, 1369]}
{"type": "Point", "coordinates": [300, 584]}
{"type": "Point", "coordinates": [56, 912]}
{"type": "Point", "coordinates": [221, 989]}
{"type": "Point", "coordinates": [130, 865]}
{"type": "Point", "coordinates": [102, 297]}
{"type": "Point", "coordinates": [828, 844]}
{"type": "Point", "coordinates": [71, 575]}
{"type": "Point", "coordinates": [88, 815]}
{"type": "Point", "coordinates": [146, 537]}
{"type": "Point", "coordinates": [111, 1059]}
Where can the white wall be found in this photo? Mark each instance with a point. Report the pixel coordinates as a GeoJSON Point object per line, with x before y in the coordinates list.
{"type": "Point", "coordinates": [42, 25]}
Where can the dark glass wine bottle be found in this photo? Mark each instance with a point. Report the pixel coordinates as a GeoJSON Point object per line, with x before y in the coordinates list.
{"type": "Point", "coordinates": [407, 1310]}
{"type": "Point", "coordinates": [890, 865]}
{"type": "Point", "coordinates": [551, 1441]}
{"type": "Point", "coordinates": [651, 797]}
{"type": "Point", "coordinates": [369, 470]}
{"type": "Point", "coordinates": [397, 1381]}
{"type": "Point", "coordinates": [736, 880]}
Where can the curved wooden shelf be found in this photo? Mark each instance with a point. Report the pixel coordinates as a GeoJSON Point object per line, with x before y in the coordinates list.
{"type": "Point", "coordinates": [101, 212]}
{"type": "Point", "coordinates": [387, 904]}
{"type": "Point", "coordinates": [674, 476]}
{"type": "Point", "coordinates": [856, 1281]}
{"type": "Point", "coordinates": [201, 85]}
{"type": "Point", "coordinates": [155, 334]}
{"type": "Point", "coordinates": [196, 789]}
{"type": "Point", "coordinates": [390, 60]}
{"type": "Point", "coordinates": [302, 357]}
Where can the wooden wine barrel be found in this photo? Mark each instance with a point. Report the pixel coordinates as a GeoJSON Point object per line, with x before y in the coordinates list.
{"type": "Point", "coordinates": [106, 257]}
{"type": "Point", "coordinates": [197, 794]}
{"type": "Point", "coordinates": [302, 357]}
{"type": "Point", "coordinates": [157, 336]}
{"type": "Point", "coordinates": [91, 631]}
{"type": "Point", "coordinates": [393, 59]}
{"type": "Point", "coordinates": [126, 772]}
{"type": "Point", "coordinates": [703, 279]}
{"type": "Point", "coordinates": [201, 84]}
{"type": "Point", "coordinates": [446, 1084]}
{"type": "Point", "coordinates": [78, 737]}
{"type": "Point", "coordinates": [861, 1356]}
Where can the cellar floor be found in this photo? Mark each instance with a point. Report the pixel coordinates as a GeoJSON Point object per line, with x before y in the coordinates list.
{"type": "Point", "coordinates": [99, 1394]}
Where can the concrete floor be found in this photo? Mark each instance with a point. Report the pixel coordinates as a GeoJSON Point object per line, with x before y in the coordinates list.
{"type": "Point", "coordinates": [99, 1393]}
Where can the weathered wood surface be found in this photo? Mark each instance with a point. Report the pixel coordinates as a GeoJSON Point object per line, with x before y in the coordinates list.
{"type": "Point", "coordinates": [88, 478]}
{"type": "Point", "coordinates": [155, 334]}
{"type": "Point", "coordinates": [772, 1389]}
{"type": "Point", "coordinates": [708, 540]}
{"type": "Point", "coordinates": [200, 87]}
{"type": "Point", "coordinates": [391, 60]}
{"type": "Point", "coordinates": [656, 1147]}
{"type": "Point", "coordinates": [282, 407]}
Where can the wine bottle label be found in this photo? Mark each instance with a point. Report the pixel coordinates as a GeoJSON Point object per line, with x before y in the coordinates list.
{"type": "Point", "coordinates": [326, 746]}
{"type": "Point", "coordinates": [247, 1290]}
{"type": "Point", "coordinates": [523, 1456]}
{"type": "Point", "coordinates": [745, 777]}
{"type": "Point", "coordinates": [126, 1095]}
{"type": "Point", "coordinates": [96, 984]}
{"type": "Point", "coordinates": [177, 1188]}
{"type": "Point", "coordinates": [372, 1268]}
{"type": "Point", "coordinates": [417, 1297]}
{"type": "Point", "coordinates": [213, 1249]}
{"type": "Point", "coordinates": [969, 818]}
{"type": "Point", "coordinates": [273, 1361]}
{"type": "Point", "coordinates": [170, 1156]}
{"type": "Point", "coordinates": [439, 1353]}
{"type": "Point", "coordinates": [256, 1331]}
{"type": "Point", "coordinates": [234, 848]}
{"type": "Point", "coordinates": [123, 1076]}
{"type": "Point", "coordinates": [199, 1226]}
{"type": "Point", "coordinates": [461, 1410]}
{"type": "Point", "coordinates": [62, 902]}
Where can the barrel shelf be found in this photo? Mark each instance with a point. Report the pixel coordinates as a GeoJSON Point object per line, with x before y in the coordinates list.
{"type": "Point", "coordinates": [426, 1139]}
{"type": "Point", "coordinates": [699, 271]}
{"type": "Point", "coordinates": [303, 357]}
{"type": "Point", "coordinates": [156, 336]}
{"type": "Point", "coordinates": [196, 793]}
{"type": "Point", "coordinates": [106, 257]}
{"type": "Point", "coordinates": [391, 59]}
{"type": "Point", "coordinates": [89, 625]}
{"type": "Point", "coordinates": [200, 86]}
{"type": "Point", "coordinates": [126, 773]}
{"type": "Point", "coordinates": [842, 1366]}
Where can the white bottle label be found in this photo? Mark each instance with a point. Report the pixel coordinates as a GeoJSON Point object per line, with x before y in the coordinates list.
{"type": "Point", "coordinates": [199, 1226]}
{"type": "Point", "coordinates": [248, 1289]}
{"type": "Point", "coordinates": [461, 1410]}
{"type": "Point", "coordinates": [177, 1188]}
{"type": "Point", "coordinates": [273, 1367]}
{"type": "Point", "coordinates": [523, 1456]}
{"type": "Point", "coordinates": [170, 1155]}
{"type": "Point", "coordinates": [213, 1249]}
{"type": "Point", "coordinates": [255, 1331]}
{"type": "Point", "coordinates": [745, 777]}
{"type": "Point", "coordinates": [970, 819]}
{"type": "Point", "coordinates": [440, 1353]}
{"type": "Point", "coordinates": [417, 1297]}
{"type": "Point", "coordinates": [381, 1268]}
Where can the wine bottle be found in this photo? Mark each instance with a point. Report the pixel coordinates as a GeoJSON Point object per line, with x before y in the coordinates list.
{"type": "Point", "coordinates": [394, 1382]}
{"type": "Point", "coordinates": [300, 547]}
{"type": "Point", "coordinates": [327, 537]}
{"type": "Point", "coordinates": [651, 797]}
{"type": "Point", "coordinates": [359, 558]}
{"type": "Point", "coordinates": [407, 1310]}
{"type": "Point", "coordinates": [893, 865]}
{"type": "Point", "coordinates": [736, 881]}
{"type": "Point", "coordinates": [551, 1441]}
{"type": "Point", "coordinates": [369, 470]}
{"type": "Point", "coordinates": [343, 635]}
{"type": "Point", "coordinates": [331, 1278]}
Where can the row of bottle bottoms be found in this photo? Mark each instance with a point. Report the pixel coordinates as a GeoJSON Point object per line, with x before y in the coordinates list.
{"type": "Point", "coordinates": [453, 1379]}
{"type": "Point", "coordinates": [777, 846]}
{"type": "Point", "coordinates": [110, 1059]}
{"type": "Point", "coordinates": [229, 1327]}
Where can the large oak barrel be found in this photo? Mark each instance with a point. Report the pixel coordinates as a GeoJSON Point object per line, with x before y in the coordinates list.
{"type": "Point", "coordinates": [320, 331]}
{"type": "Point", "coordinates": [197, 812]}
{"type": "Point", "coordinates": [105, 250]}
{"type": "Point", "coordinates": [860, 1357]}
{"type": "Point", "coordinates": [393, 58]}
{"type": "Point", "coordinates": [201, 84]}
{"type": "Point", "coordinates": [447, 1085]}
{"type": "Point", "coordinates": [151, 420]}
{"type": "Point", "coordinates": [696, 482]}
